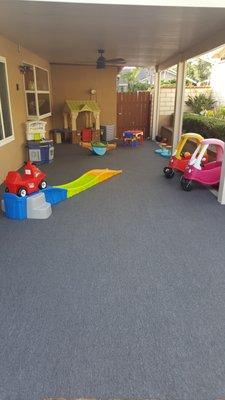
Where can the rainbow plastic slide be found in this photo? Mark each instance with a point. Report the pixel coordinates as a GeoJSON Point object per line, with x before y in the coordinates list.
{"type": "Point", "coordinates": [89, 179]}
{"type": "Point", "coordinates": [38, 205]}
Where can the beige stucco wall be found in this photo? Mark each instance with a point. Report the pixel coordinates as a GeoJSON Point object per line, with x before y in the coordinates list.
{"type": "Point", "coordinates": [167, 98]}
{"type": "Point", "coordinates": [167, 102]}
{"type": "Point", "coordinates": [13, 154]}
{"type": "Point", "coordinates": [74, 83]}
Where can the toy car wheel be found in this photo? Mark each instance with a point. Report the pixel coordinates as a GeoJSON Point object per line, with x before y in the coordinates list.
{"type": "Point", "coordinates": [186, 184]}
{"type": "Point", "coordinates": [7, 190]}
{"type": "Point", "coordinates": [168, 172]}
{"type": "Point", "coordinates": [22, 192]}
{"type": "Point", "coordinates": [42, 185]}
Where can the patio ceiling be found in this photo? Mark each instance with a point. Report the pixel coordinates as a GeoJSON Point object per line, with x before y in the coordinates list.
{"type": "Point", "coordinates": [143, 35]}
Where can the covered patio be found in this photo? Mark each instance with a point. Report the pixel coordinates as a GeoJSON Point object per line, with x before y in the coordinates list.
{"type": "Point", "coordinates": [150, 33]}
{"type": "Point", "coordinates": [121, 294]}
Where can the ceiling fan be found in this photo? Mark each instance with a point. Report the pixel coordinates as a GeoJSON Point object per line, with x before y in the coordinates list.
{"type": "Point", "coordinates": [101, 61]}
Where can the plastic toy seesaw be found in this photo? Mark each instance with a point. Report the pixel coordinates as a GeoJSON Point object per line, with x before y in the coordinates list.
{"type": "Point", "coordinates": [98, 148]}
{"type": "Point", "coordinates": [180, 158]}
{"type": "Point", "coordinates": [164, 150]}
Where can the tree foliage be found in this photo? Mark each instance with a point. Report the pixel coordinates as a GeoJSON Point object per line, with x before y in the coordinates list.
{"type": "Point", "coordinates": [131, 77]}
{"type": "Point", "coordinates": [199, 70]}
{"type": "Point", "coordinates": [200, 103]}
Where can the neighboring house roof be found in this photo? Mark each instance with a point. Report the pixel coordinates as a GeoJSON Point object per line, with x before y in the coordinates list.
{"type": "Point", "coordinates": [146, 74]}
{"type": "Point", "coordinates": [82, 105]}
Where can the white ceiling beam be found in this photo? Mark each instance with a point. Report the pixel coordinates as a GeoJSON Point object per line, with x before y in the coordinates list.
{"type": "Point", "coordinates": [163, 3]}
{"type": "Point", "coordinates": [156, 105]}
{"type": "Point", "coordinates": [179, 103]}
{"type": "Point", "coordinates": [209, 44]}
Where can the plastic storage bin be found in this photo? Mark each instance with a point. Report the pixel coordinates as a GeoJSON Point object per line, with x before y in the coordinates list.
{"type": "Point", "coordinates": [107, 133]}
{"type": "Point", "coordinates": [41, 152]}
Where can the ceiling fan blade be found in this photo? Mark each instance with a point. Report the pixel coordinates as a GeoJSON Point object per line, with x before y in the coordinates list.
{"type": "Point", "coordinates": [116, 61]}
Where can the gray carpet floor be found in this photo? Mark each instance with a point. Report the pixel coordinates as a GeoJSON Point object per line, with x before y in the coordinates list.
{"type": "Point", "coordinates": [121, 293]}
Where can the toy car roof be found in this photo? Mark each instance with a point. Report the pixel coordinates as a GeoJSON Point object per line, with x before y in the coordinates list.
{"type": "Point", "coordinates": [214, 142]}
{"type": "Point", "coordinates": [192, 135]}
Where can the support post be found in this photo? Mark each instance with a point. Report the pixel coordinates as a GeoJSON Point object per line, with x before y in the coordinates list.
{"type": "Point", "coordinates": [97, 120]}
{"type": "Point", "coordinates": [65, 119]}
{"type": "Point", "coordinates": [179, 102]}
{"type": "Point", "coordinates": [221, 192]}
{"type": "Point", "coordinates": [156, 104]}
{"type": "Point", "coordinates": [75, 138]}
{"type": "Point", "coordinates": [74, 116]}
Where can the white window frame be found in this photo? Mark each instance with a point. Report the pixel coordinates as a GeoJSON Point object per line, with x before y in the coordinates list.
{"type": "Point", "coordinates": [9, 139]}
{"type": "Point", "coordinates": [36, 92]}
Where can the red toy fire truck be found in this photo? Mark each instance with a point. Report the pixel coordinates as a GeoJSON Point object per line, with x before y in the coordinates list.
{"type": "Point", "coordinates": [31, 181]}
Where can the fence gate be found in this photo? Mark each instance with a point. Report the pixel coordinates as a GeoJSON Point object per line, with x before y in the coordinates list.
{"type": "Point", "coordinates": [133, 112]}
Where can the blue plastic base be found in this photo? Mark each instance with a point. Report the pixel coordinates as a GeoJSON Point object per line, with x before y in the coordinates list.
{"type": "Point", "coordinates": [15, 207]}
{"type": "Point", "coordinates": [166, 153]}
{"type": "Point", "coordinates": [99, 151]}
{"type": "Point", "coordinates": [158, 151]}
{"type": "Point", "coordinates": [163, 152]}
{"type": "Point", "coordinates": [55, 195]}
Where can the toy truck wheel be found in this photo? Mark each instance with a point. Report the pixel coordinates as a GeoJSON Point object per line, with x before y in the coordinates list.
{"type": "Point", "coordinates": [168, 172]}
{"type": "Point", "coordinates": [22, 192]}
{"type": "Point", "coordinates": [186, 184]}
{"type": "Point", "coordinates": [42, 185]}
{"type": "Point", "coordinates": [7, 190]}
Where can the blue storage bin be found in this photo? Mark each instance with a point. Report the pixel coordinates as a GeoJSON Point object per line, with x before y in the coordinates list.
{"type": "Point", "coordinates": [15, 207]}
{"type": "Point", "coordinates": [41, 152]}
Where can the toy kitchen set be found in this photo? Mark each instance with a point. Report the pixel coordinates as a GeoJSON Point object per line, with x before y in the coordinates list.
{"type": "Point", "coordinates": [40, 150]}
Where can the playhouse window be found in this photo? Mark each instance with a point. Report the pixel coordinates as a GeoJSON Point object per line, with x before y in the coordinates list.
{"type": "Point", "coordinates": [36, 82]}
{"type": "Point", "coordinates": [6, 126]}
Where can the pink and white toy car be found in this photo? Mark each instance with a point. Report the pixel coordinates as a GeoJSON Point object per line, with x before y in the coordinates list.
{"type": "Point", "coordinates": [205, 173]}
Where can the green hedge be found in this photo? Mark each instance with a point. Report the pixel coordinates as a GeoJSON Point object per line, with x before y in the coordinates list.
{"type": "Point", "coordinates": [208, 127]}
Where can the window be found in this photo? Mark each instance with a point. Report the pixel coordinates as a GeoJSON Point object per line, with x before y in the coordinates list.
{"type": "Point", "coordinates": [6, 126]}
{"type": "Point", "coordinates": [37, 92]}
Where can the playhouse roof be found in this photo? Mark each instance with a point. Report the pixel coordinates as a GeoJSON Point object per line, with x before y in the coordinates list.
{"type": "Point", "coordinates": [82, 105]}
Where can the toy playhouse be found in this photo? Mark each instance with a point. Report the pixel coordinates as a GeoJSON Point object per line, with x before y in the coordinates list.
{"type": "Point", "coordinates": [83, 118]}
